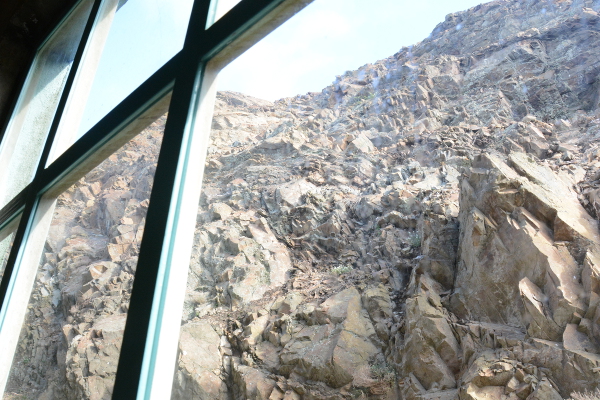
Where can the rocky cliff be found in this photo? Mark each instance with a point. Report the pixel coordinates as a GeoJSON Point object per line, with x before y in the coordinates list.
{"type": "Point", "coordinates": [423, 228]}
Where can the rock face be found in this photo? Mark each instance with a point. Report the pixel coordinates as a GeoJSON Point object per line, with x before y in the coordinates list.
{"type": "Point", "coordinates": [423, 228]}
{"type": "Point", "coordinates": [514, 223]}
{"type": "Point", "coordinates": [70, 342]}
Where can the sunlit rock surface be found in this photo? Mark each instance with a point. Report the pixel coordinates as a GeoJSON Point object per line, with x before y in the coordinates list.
{"type": "Point", "coordinates": [423, 228]}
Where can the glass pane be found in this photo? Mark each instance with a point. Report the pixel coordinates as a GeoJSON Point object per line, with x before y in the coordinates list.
{"type": "Point", "coordinates": [306, 232]}
{"type": "Point", "coordinates": [141, 38]}
{"type": "Point", "coordinates": [70, 340]}
{"type": "Point", "coordinates": [410, 228]}
{"type": "Point", "coordinates": [28, 129]}
{"type": "Point", "coordinates": [144, 35]}
{"type": "Point", "coordinates": [218, 8]}
{"type": "Point", "coordinates": [6, 242]}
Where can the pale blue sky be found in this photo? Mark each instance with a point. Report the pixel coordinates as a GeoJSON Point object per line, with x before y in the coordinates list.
{"type": "Point", "coordinates": [330, 37]}
{"type": "Point", "coordinates": [305, 54]}
{"type": "Point", "coordinates": [144, 35]}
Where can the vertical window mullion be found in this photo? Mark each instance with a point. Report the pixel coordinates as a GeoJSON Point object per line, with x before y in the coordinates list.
{"type": "Point", "coordinates": [149, 349]}
{"type": "Point", "coordinates": [136, 369]}
{"type": "Point", "coordinates": [33, 226]}
{"type": "Point", "coordinates": [30, 198]}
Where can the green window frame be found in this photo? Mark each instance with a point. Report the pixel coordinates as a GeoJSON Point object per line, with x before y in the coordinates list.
{"type": "Point", "coordinates": [185, 88]}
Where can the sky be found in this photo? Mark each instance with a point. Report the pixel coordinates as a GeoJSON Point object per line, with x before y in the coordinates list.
{"type": "Point", "coordinates": [330, 37]}
{"type": "Point", "coordinates": [144, 35]}
{"type": "Point", "coordinates": [304, 55]}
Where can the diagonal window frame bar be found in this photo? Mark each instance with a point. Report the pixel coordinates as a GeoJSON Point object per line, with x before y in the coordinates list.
{"type": "Point", "coordinates": [151, 321]}
{"type": "Point", "coordinates": [188, 74]}
{"type": "Point", "coordinates": [26, 197]}
{"type": "Point", "coordinates": [25, 205]}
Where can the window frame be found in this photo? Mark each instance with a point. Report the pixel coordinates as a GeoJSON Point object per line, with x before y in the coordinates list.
{"type": "Point", "coordinates": [186, 84]}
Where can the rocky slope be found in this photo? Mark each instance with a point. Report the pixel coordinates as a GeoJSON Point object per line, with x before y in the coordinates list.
{"type": "Point", "coordinates": [69, 344]}
{"type": "Point", "coordinates": [424, 228]}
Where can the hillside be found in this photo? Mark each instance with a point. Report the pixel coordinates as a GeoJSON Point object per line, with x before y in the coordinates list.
{"type": "Point", "coordinates": [426, 227]}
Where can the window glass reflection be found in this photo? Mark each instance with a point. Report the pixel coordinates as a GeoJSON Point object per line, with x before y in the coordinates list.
{"type": "Point", "coordinates": [131, 41]}
{"type": "Point", "coordinates": [25, 137]}
{"type": "Point", "coordinates": [6, 242]}
{"type": "Point", "coordinates": [144, 35]}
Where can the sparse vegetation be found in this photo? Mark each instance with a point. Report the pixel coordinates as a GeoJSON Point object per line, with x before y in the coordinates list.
{"type": "Point", "coordinates": [357, 393]}
{"type": "Point", "coordinates": [16, 396]}
{"type": "Point", "coordinates": [464, 162]}
{"type": "Point", "coordinates": [341, 269]}
{"type": "Point", "coordinates": [382, 372]}
{"type": "Point", "coordinates": [265, 277]}
{"type": "Point", "coordinates": [404, 208]}
{"type": "Point", "coordinates": [414, 240]}
{"type": "Point", "coordinates": [595, 395]}
{"type": "Point", "coordinates": [359, 100]}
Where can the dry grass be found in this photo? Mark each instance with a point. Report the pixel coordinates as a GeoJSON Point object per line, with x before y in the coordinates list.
{"type": "Point", "coordinates": [16, 396]}
{"type": "Point", "coordinates": [595, 395]}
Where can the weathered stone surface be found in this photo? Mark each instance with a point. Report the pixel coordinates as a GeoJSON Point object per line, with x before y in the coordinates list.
{"type": "Point", "coordinates": [333, 353]}
{"type": "Point", "coordinates": [423, 228]}
{"type": "Point", "coordinates": [199, 365]}
{"type": "Point", "coordinates": [544, 390]}
{"type": "Point", "coordinates": [535, 301]}
{"type": "Point", "coordinates": [430, 351]}
{"type": "Point", "coordinates": [291, 195]}
{"type": "Point", "coordinates": [220, 211]}
{"type": "Point", "coordinates": [361, 144]}
{"type": "Point", "coordinates": [251, 383]}
{"type": "Point", "coordinates": [512, 221]}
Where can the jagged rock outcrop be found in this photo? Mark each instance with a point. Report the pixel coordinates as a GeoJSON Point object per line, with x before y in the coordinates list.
{"type": "Point", "coordinates": [71, 339]}
{"type": "Point", "coordinates": [426, 227]}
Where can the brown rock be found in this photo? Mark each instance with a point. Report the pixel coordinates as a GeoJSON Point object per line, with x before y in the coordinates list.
{"type": "Point", "coordinates": [199, 359]}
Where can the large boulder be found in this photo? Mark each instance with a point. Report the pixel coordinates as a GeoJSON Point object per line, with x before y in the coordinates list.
{"type": "Point", "coordinates": [333, 353]}
{"type": "Point", "coordinates": [522, 232]}
{"type": "Point", "coordinates": [198, 374]}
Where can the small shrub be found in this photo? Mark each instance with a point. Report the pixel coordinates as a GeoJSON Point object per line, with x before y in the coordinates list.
{"type": "Point", "coordinates": [290, 326]}
{"type": "Point", "coordinates": [357, 393]}
{"type": "Point", "coordinates": [414, 239]}
{"type": "Point", "coordinates": [265, 277]}
{"type": "Point", "coordinates": [382, 372]}
{"type": "Point", "coordinates": [464, 162]}
{"type": "Point", "coordinates": [360, 100]}
{"type": "Point", "coordinates": [405, 208]}
{"type": "Point", "coordinates": [341, 269]}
